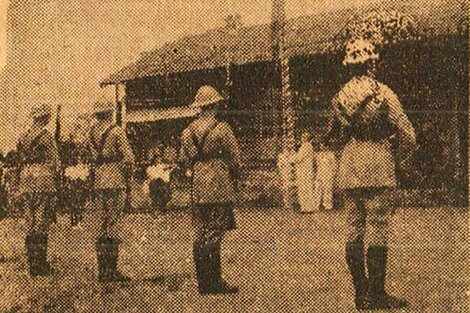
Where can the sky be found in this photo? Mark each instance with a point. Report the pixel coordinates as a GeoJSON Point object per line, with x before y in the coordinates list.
{"type": "Point", "coordinates": [3, 32]}
{"type": "Point", "coordinates": [64, 48]}
{"type": "Point", "coordinates": [98, 38]}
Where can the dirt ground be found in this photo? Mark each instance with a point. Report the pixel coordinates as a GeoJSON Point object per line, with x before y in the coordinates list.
{"type": "Point", "coordinates": [283, 262]}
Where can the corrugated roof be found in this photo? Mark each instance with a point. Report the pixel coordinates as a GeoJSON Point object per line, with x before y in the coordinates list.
{"type": "Point", "coordinates": [312, 34]}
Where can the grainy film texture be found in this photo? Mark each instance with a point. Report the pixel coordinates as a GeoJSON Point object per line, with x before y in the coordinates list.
{"type": "Point", "coordinates": [234, 156]}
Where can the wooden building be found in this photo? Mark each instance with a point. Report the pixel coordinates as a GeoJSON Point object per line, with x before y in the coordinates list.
{"type": "Point", "coordinates": [430, 76]}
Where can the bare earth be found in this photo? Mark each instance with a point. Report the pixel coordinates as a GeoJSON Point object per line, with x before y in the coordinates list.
{"type": "Point", "coordinates": [283, 262]}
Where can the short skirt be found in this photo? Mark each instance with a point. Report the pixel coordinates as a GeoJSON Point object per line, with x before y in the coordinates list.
{"type": "Point", "coordinates": [366, 164]}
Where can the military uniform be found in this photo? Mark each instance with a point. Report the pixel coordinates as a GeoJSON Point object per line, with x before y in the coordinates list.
{"type": "Point", "coordinates": [76, 181]}
{"type": "Point", "coordinates": [210, 149]}
{"type": "Point", "coordinates": [38, 178]}
{"type": "Point", "coordinates": [370, 116]}
{"type": "Point", "coordinates": [112, 167]}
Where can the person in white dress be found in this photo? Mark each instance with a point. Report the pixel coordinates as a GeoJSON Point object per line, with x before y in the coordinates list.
{"type": "Point", "coordinates": [324, 181]}
{"type": "Point", "coordinates": [303, 161]}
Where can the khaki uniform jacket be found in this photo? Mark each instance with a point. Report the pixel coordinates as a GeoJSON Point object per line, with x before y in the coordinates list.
{"type": "Point", "coordinates": [215, 164]}
{"type": "Point", "coordinates": [112, 156]}
{"type": "Point", "coordinates": [367, 163]}
{"type": "Point", "coordinates": [39, 162]}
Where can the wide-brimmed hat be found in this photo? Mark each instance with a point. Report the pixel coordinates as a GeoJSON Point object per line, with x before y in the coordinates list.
{"type": "Point", "coordinates": [41, 111]}
{"type": "Point", "coordinates": [103, 107]}
{"type": "Point", "coordinates": [205, 96]}
{"type": "Point", "coordinates": [358, 51]}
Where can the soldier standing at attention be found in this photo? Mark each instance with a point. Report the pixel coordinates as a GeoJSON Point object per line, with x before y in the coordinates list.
{"type": "Point", "coordinates": [113, 161]}
{"type": "Point", "coordinates": [38, 169]}
{"type": "Point", "coordinates": [370, 118]}
{"type": "Point", "coordinates": [210, 150]}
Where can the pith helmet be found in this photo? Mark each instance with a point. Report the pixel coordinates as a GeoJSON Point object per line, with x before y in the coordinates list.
{"type": "Point", "coordinates": [103, 107]}
{"type": "Point", "coordinates": [206, 95]}
{"type": "Point", "coordinates": [359, 51]}
{"type": "Point", "coordinates": [41, 111]}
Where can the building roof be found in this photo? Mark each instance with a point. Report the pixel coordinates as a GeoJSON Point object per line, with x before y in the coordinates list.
{"type": "Point", "coordinates": [307, 35]}
{"type": "Point", "coordinates": [151, 115]}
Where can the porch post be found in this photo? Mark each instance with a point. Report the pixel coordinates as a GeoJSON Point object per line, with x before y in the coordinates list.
{"type": "Point", "coordinates": [281, 63]}
{"type": "Point", "coordinates": [120, 106]}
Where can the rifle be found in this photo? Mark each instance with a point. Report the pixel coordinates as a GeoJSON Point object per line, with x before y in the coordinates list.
{"type": "Point", "coordinates": [59, 200]}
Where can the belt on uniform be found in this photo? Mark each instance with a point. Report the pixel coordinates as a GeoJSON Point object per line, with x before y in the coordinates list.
{"type": "Point", "coordinates": [209, 158]}
{"type": "Point", "coordinates": [31, 163]}
{"type": "Point", "coordinates": [103, 161]}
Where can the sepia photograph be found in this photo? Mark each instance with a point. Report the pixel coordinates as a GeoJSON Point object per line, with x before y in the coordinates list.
{"type": "Point", "coordinates": [234, 156]}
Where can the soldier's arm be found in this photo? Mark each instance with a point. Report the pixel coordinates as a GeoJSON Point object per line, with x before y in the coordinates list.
{"type": "Point", "coordinates": [233, 148]}
{"type": "Point", "coordinates": [399, 119]}
{"type": "Point", "coordinates": [186, 150]}
{"type": "Point", "coordinates": [232, 144]}
{"type": "Point", "coordinates": [338, 123]}
{"type": "Point", "coordinates": [404, 130]}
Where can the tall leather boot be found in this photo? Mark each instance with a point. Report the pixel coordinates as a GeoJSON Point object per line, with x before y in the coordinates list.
{"type": "Point", "coordinates": [31, 252]}
{"type": "Point", "coordinates": [200, 262]}
{"type": "Point", "coordinates": [115, 274]}
{"type": "Point", "coordinates": [376, 264]}
{"type": "Point", "coordinates": [107, 254]}
{"type": "Point", "coordinates": [222, 286]}
{"type": "Point", "coordinates": [355, 260]}
{"type": "Point", "coordinates": [103, 254]}
{"type": "Point", "coordinates": [44, 267]}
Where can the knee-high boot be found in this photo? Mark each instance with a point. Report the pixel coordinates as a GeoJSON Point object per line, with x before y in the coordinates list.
{"type": "Point", "coordinates": [32, 254]}
{"type": "Point", "coordinates": [107, 255]}
{"type": "Point", "coordinates": [223, 287]}
{"type": "Point", "coordinates": [44, 265]}
{"type": "Point", "coordinates": [208, 270]}
{"type": "Point", "coordinates": [200, 264]}
{"type": "Point", "coordinates": [356, 263]}
{"type": "Point", "coordinates": [103, 254]}
{"type": "Point", "coordinates": [117, 276]}
{"type": "Point", "coordinates": [36, 249]}
{"type": "Point", "coordinates": [376, 264]}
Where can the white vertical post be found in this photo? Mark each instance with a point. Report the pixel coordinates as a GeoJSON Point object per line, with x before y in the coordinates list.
{"type": "Point", "coordinates": [281, 61]}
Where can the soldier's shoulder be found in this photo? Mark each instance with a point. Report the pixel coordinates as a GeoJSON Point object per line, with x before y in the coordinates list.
{"type": "Point", "coordinates": [192, 124]}
{"type": "Point", "coordinates": [352, 86]}
{"type": "Point", "coordinates": [224, 127]}
{"type": "Point", "coordinates": [117, 131]}
{"type": "Point", "coordinates": [46, 136]}
{"type": "Point", "coordinates": [22, 136]}
{"type": "Point", "coordinates": [386, 89]}
{"type": "Point", "coordinates": [359, 85]}
{"type": "Point", "coordinates": [387, 93]}
{"type": "Point", "coordinates": [361, 82]}
{"type": "Point", "coordinates": [188, 128]}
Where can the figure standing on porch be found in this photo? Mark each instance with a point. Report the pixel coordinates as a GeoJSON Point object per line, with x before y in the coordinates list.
{"type": "Point", "coordinates": [39, 167]}
{"type": "Point", "coordinates": [113, 161]}
{"type": "Point", "coordinates": [370, 116]}
{"type": "Point", "coordinates": [210, 149]}
{"type": "Point", "coordinates": [325, 160]}
{"type": "Point", "coordinates": [158, 183]}
{"type": "Point", "coordinates": [303, 161]}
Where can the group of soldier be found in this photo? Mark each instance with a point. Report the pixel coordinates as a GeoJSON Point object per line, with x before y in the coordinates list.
{"type": "Point", "coordinates": [206, 144]}
{"type": "Point", "coordinates": [368, 113]}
